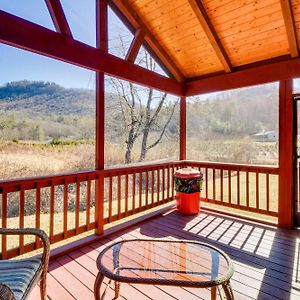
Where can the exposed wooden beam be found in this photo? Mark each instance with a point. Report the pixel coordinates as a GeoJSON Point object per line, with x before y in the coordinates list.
{"type": "Point", "coordinates": [136, 21]}
{"type": "Point", "coordinates": [255, 75]}
{"type": "Point", "coordinates": [182, 140]}
{"type": "Point", "coordinates": [291, 32]}
{"type": "Point", "coordinates": [101, 43]}
{"type": "Point", "coordinates": [135, 46]}
{"type": "Point", "coordinates": [58, 17]}
{"type": "Point", "coordinates": [23, 34]}
{"type": "Point", "coordinates": [211, 34]}
{"type": "Point", "coordinates": [286, 154]}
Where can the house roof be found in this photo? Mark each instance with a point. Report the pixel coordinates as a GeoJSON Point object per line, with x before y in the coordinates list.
{"type": "Point", "coordinates": [194, 38]}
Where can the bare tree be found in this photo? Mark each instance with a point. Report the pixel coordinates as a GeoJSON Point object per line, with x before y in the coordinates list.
{"type": "Point", "coordinates": [141, 110]}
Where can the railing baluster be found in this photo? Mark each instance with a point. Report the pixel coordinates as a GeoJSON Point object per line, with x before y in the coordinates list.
{"type": "Point", "coordinates": [206, 184]}
{"type": "Point", "coordinates": [147, 187]}
{"type": "Point", "coordinates": [133, 191]}
{"type": "Point", "coordinates": [172, 181]}
{"type": "Point", "coordinates": [65, 222]}
{"type": "Point", "coordinates": [110, 197]}
{"type": "Point", "coordinates": [257, 189]}
{"type": "Point", "coordinates": [163, 184]}
{"type": "Point", "coordinates": [21, 218]}
{"type": "Point", "coordinates": [52, 203]}
{"type": "Point", "coordinates": [229, 186]}
{"type": "Point", "coordinates": [221, 187]}
{"type": "Point", "coordinates": [140, 190]}
{"type": "Point", "coordinates": [119, 196]}
{"type": "Point", "coordinates": [77, 206]}
{"type": "Point", "coordinates": [158, 185]}
{"type": "Point", "coordinates": [238, 188]}
{"type": "Point", "coordinates": [4, 224]}
{"type": "Point", "coordinates": [268, 191]}
{"type": "Point", "coordinates": [152, 187]}
{"type": "Point", "coordinates": [88, 203]}
{"type": "Point", "coordinates": [37, 213]}
{"type": "Point", "coordinates": [126, 194]}
{"type": "Point", "coordinates": [214, 184]}
{"type": "Point", "coordinates": [247, 188]}
{"type": "Point", "coordinates": [168, 183]}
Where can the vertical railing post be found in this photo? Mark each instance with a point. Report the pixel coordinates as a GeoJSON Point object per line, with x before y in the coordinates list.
{"type": "Point", "coordinates": [285, 205]}
{"type": "Point", "coordinates": [182, 140]}
{"type": "Point", "coordinates": [101, 40]}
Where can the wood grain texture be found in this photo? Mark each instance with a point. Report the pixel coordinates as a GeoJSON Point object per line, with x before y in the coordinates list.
{"type": "Point", "coordinates": [290, 26]}
{"type": "Point", "coordinates": [211, 34]}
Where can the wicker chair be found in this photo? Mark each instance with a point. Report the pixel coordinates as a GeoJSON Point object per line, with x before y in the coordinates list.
{"type": "Point", "coordinates": [19, 276]}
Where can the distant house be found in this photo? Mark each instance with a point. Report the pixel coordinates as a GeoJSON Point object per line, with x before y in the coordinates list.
{"type": "Point", "coordinates": [266, 136]}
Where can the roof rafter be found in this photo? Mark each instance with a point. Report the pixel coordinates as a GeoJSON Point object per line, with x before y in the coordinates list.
{"type": "Point", "coordinates": [137, 23]}
{"type": "Point", "coordinates": [211, 34]}
{"type": "Point", "coordinates": [288, 17]}
{"type": "Point", "coordinates": [135, 45]}
{"type": "Point", "coordinates": [58, 17]}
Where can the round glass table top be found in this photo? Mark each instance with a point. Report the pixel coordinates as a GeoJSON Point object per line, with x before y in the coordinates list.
{"type": "Point", "coordinates": [172, 262]}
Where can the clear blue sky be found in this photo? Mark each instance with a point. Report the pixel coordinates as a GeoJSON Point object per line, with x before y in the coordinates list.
{"type": "Point", "coordinates": [16, 64]}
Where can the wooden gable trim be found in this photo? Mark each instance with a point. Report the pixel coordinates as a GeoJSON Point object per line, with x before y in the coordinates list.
{"type": "Point", "coordinates": [260, 74]}
{"type": "Point", "coordinates": [290, 27]}
{"type": "Point", "coordinates": [58, 17]}
{"type": "Point", "coordinates": [135, 46]}
{"type": "Point", "coordinates": [26, 35]}
{"type": "Point", "coordinates": [211, 34]}
{"type": "Point", "coordinates": [133, 18]}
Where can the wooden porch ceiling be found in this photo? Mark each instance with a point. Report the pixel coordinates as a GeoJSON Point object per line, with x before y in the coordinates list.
{"type": "Point", "coordinates": [265, 260]}
{"type": "Point", "coordinates": [195, 38]}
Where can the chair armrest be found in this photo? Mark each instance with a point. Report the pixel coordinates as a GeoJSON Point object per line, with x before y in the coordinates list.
{"type": "Point", "coordinates": [32, 231]}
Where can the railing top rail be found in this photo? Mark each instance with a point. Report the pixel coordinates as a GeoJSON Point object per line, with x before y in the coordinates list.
{"type": "Point", "coordinates": [71, 177]}
{"type": "Point", "coordinates": [233, 166]}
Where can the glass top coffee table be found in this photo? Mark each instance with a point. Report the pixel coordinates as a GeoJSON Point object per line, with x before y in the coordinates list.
{"type": "Point", "coordinates": [182, 263]}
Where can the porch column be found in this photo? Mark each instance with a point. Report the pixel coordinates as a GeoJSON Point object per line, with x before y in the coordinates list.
{"type": "Point", "coordinates": [101, 41]}
{"type": "Point", "coordinates": [286, 193]}
{"type": "Point", "coordinates": [182, 139]}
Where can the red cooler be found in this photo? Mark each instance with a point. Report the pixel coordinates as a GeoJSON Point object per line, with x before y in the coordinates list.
{"type": "Point", "coordinates": [188, 184]}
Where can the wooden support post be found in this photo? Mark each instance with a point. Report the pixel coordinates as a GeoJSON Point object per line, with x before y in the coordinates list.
{"type": "Point", "coordinates": [286, 195]}
{"type": "Point", "coordinates": [182, 140]}
{"type": "Point", "coordinates": [102, 37]}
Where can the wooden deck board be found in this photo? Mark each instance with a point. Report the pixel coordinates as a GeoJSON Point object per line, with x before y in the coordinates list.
{"type": "Point", "coordinates": [266, 260]}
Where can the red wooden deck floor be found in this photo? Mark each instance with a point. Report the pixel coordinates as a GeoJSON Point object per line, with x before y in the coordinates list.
{"type": "Point", "coordinates": [266, 260]}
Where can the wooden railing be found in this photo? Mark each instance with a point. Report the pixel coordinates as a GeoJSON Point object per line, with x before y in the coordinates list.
{"type": "Point", "coordinates": [247, 188]}
{"type": "Point", "coordinates": [66, 205]}
{"type": "Point", "coordinates": [138, 188]}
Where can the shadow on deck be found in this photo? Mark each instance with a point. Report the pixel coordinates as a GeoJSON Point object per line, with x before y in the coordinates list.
{"type": "Point", "coordinates": [266, 259]}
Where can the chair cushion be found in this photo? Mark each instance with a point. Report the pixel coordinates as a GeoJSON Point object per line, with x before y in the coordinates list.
{"type": "Point", "coordinates": [20, 274]}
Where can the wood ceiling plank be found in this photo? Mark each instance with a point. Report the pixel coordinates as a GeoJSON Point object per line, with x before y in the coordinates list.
{"type": "Point", "coordinates": [58, 17]}
{"type": "Point", "coordinates": [290, 27]}
{"type": "Point", "coordinates": [250, 38]}
{"type": "Point", "coordinates": [258, 25]}
{"type": "Point", "coordinates": [135, 46]}
{"type": "Point", "coordinates": [211, 33]}
{"type": "Point", "coordinates": [137, 22]}
{"type": "Point", "coordinates": [239, 17]}
{"type": "Point", "coordinates": [238, 8]}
